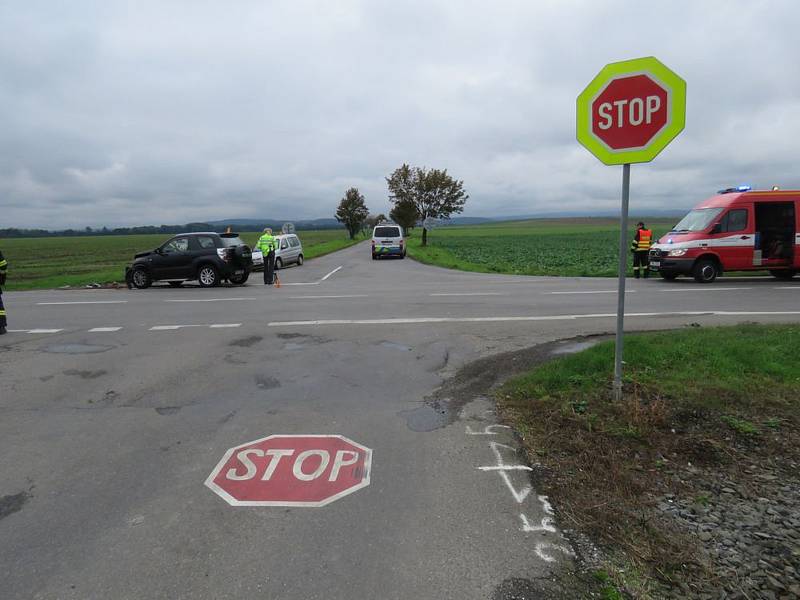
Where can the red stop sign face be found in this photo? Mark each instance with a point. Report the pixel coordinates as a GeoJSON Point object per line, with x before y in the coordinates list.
{"type": "Point", "coordinates": [629, 112]}
{"type": "Point", "coordinates": [291, 470]}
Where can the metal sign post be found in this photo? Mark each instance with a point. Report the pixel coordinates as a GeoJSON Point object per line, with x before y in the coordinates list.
{"type": "Point", "coordinates": [628, 114]}
{"type": "Point", "coordinates": [623, 268]}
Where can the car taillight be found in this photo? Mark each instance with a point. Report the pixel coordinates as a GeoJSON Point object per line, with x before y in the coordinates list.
{"type": "Point", "coordinates": [225, 254]}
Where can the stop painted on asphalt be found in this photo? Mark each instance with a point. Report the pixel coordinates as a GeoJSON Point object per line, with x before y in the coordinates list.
{"type": "Point", "coordinates": [291, 470]}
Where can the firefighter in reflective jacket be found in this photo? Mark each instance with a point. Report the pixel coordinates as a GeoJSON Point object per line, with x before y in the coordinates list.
{"type": "Point", "coordinates": [641, 248]}
{"type": "Point", "coordinates": [266, 243]}
{"type": "Point", "coordinates": [3, 268]}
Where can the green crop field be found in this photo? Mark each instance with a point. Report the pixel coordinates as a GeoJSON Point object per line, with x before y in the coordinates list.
{"type": "Point", "coordinates": [37, 263]}
{"type": "Point", "coordinates": [572, 247]}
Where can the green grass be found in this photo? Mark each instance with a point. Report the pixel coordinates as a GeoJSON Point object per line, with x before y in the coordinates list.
{"type": "Point", "coordinates": [40, 263]}
{"type": "Point", "coordinates": [717, 368]}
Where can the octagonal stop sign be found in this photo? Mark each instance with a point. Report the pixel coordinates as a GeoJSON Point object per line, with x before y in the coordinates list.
{"type": "Point", "coordinates": [291, 470]}
{"type": "Point", "coordinates": [631, 111]}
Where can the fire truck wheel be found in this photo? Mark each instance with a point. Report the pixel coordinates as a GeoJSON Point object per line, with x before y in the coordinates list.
{"type": "Point", "coordinates": [782, 273]}
{"type": "Point", "coordinates": [705, 270]}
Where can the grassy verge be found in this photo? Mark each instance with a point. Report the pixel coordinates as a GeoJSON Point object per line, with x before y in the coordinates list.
{"type": "Point", "coordinates": [42, 263]}
{"type": "Point", "coordinates": [699, 400]}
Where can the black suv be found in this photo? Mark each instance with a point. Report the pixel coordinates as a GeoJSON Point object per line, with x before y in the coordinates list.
{"type": "Point", "coordinates": [207, 257]}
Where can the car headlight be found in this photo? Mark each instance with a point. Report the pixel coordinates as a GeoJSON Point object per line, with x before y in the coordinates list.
{"type": "Point", "coordinates": [677, 252]}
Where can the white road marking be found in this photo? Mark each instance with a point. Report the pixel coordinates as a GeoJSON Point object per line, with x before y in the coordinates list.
{"type": "Point", "coordinates": [45, 330]}
{"type": "Point", "coordinates": [211, 299]}
{"type": "Point", "coordinates": [331, 273]}
{"type": "Point", "coordinates": [501, 467]}
{"type": "Point", "coordinates": [165, 327]}
{"type": "Point", "coordinates": [546, 525]}
{"type": "Point", "coordinates": [225, 325]}
{"type": "Point", "coordinates": [471, 294]}
{"type": "Point", "coordinates": [424, 320]}
{"type": "Point", "coordinates": [486, 430]}
{"type": "Point", "coordinates": [542, 546]}
{"type": "Point", "coordinates": [326, 297]}
{"type": "Point", "coordinates": [594, 292]}
{"type": "Point", "coordinates": [82, 302]}
{"type": "Point", "coordinates": [301, 283]}
{"type": "Point", "coordinates": [706, 289]}
{"type": "Point", "coordinates": [788, 287]}
{"type": "Point", "coordinates": [104, 329]}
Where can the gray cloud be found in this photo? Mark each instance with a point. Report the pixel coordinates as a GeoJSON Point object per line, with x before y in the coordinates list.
{"type": "Point", "coordinates": [154, 112]}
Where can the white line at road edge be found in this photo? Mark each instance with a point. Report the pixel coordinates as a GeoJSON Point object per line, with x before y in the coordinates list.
{"type": "Point", "coordinates": [104, 329]}
{"type": "Point", "coordinates": [331, 273]}
{"type": "Point", "coordinates": [423, 320]}
{"type": "Point", "coordinates": [706, 289]}
{"type": "Point", "coordinates": [82, 302]}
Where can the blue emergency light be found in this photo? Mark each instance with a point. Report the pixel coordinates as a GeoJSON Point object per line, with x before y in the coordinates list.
{"type": "Point", "coordinates": [739, 188]}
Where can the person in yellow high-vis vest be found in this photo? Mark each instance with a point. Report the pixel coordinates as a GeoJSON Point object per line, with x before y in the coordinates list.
{"type": "Point", "coordinates": [640, 247]}
{"type": "Point", "coordinates": [266, 243]}
{"type": "Point", "coordinates": [3, 269]}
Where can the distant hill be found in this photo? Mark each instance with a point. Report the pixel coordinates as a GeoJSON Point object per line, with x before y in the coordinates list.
{"type": "Point", "coordinates": [254, 224]}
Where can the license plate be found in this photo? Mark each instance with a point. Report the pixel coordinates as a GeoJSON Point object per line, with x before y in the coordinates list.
{"type": "Point", "coordinates": [655, 263]}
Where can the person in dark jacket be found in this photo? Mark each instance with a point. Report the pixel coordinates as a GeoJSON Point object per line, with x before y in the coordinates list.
{"type": "Point", "coordinates": [3, 270]}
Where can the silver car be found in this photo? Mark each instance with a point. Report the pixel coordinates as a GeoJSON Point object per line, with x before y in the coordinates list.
{"type": "Point", "coordinates": [289, 250]}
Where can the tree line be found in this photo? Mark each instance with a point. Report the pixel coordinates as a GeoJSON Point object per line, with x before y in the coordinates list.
{"type": "Point", "coordinates": [417, 194]}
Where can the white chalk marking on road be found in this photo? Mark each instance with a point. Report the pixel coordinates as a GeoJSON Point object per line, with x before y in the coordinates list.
{"type": "Point", "coordinates": [331, 273]}
{"type": "Point", "coordinates": [486, 430]}
{"type": "Point", "coordinates": [471, 294]}
{"type": "Point", "coordinates": [594, 292]}
{"type": "Point", "coordinates": [224, 325]}
{"type": "Point", "coordinates": [546, 525]}
{"type": "Point", "coordinates": [328, 297]}
{"type": "Point", "coordinates": [212, 299]}
{"type": "Point", "coordinates": [82, 302]}
{"type": "Point", "coordinates": [104, 329]}
{"type": "Point", "coordinates": [501, 467]}
{"type": "Point", "coordinates": [423, 320]}
{"type": "Point", "coordinates": [45, 330]}
{"type": "Point", "coordinates": [542, 546]}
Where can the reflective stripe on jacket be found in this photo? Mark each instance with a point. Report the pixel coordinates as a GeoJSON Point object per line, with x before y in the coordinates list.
{"type": "Point", "coordinates": [266, 243]}
{"type": "Point", "coordinates": [642, 240]}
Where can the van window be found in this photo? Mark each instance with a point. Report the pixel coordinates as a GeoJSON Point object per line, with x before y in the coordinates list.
{"type": "Point", "coordinates": [735, 220]}
{"type": "Point", "coordinates": [386, 232]}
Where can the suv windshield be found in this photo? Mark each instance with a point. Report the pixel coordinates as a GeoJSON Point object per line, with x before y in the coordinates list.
{"type": "Point", "coordinates": [698, 220]}
{"type": "Point", "coordinates": [228, 240]}
{"type": "Point", "coordinates": [387, 232]}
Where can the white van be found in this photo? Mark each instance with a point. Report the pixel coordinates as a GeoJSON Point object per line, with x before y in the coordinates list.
{"type": "Point", "coordinates": [388, 240]}
{"type": "Point", "coordinates": [289, 250]}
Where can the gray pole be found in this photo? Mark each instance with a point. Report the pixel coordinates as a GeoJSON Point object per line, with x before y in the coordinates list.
{"type": "Point", "coordinates": [623, 268]}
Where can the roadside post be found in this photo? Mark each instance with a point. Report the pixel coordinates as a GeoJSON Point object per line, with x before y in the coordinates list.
{"type": "Point", "coordinates": [628, 114]}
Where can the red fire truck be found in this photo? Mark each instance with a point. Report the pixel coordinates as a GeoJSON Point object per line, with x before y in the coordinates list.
{"type": "Point", "coordinates": [738, 229]}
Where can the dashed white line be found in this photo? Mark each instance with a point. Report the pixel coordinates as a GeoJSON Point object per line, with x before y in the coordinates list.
{"type": "Point", "coordinates": [82, 302]}
{"type": "Point", "coordinates": [707, 289]}
{"type": "Point", "coordinates": [104, 329]}
{"type": "Point", "coordinates": [225, 325]}
{"type": "Point", "coordinates": [331, 273]}
{"type": "Point", "coordinates": [327, 297]}
{"type": "Point", "coordinates": [470, 294]}
{"type": "Point", "coordinates": [211, 299]}
{"type": "Point", "coordinates": [594, 292]}
{"type": "Point", "coordinates": [45, 330]}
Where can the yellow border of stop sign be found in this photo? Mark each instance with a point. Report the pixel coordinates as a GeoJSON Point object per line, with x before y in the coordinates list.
{"type": "Point", "coordinates": [676, 106]}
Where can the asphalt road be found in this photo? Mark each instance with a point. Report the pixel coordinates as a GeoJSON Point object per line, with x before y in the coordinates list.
{"type": "Point", "coordinates": [116, 405]}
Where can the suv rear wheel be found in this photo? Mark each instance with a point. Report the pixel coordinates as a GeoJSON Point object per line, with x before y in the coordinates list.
{"type": "Point", "coordinates": [141, 278]}
{"type": "Point", "coordinates": [208, 276]}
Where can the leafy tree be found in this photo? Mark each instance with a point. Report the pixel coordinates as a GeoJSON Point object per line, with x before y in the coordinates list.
{"type": "Point", "coordinates": [405, 214]}
{"type": "Point", "coordinates": [352, 211]}
{"type": "Point", "coordinates": [433, 192]}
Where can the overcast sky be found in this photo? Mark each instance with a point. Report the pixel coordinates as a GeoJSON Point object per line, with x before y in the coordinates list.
{"type": "Point", "coordinates": [122, 113]}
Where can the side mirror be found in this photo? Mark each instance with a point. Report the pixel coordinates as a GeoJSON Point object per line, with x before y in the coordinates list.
{"type": "Point", "coordinates": [159, 251]}
{"type": "Point", "coordinates": [717, 228]}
